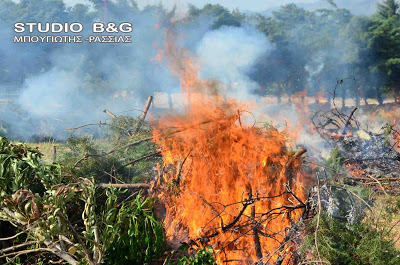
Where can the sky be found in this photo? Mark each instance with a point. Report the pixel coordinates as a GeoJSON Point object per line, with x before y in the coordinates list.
{"type": "Point", "coordinates": [356, 6]}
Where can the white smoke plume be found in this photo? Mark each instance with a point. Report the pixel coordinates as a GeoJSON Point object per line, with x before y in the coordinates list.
{"type": "Point", "coordinates": [228, 55]}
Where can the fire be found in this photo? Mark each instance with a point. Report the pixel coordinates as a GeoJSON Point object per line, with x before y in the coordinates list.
{"type": "Point", "coordinates": [299, 96]}
{"type": "Point", "coordinates": [221, 166]}
{"type": "Point", "coordinates": [320, 98]}
{"type": "Point", "coordinates": [229, 183]}
{"type": "Point", "coordinates": [391, 117]}
{"type": "Point", "coordinates": [158, 58]}
{"type": "Point", "coordinates": [355, 170]}
{"type": "Point", "coordinates": [160, 53]}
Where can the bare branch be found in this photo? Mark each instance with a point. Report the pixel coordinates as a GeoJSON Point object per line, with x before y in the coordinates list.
{"type": "Point", "coordinates": [109, 113]}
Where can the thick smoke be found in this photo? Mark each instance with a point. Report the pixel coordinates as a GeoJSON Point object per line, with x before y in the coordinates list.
{"type": "Point", "coordinates": [86, 78]}
{"type": "Point", "coordinates": [365, 7]}
{"type": "Point", "coordinates": [69, 85]}
{"type": "Point", "coordinates": [228, 55]}
{"type": "Point", "coordinates": [55, 92]}
{"type": "Point", "coordinates": [68, 94]}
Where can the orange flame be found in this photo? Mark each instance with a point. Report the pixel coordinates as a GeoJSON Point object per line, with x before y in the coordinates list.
{"type": "Point", "coordinates": [224, 173]}
{"type": "Point", "coordinates": [158, 58]}
{"type": "Point", "coordinates": [354, 170]}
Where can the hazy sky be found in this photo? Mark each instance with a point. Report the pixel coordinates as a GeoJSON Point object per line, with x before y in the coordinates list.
{"type": "Point", "coordinates": [356, 6]}
{"type": "Point", "coordinates": [252, 5]}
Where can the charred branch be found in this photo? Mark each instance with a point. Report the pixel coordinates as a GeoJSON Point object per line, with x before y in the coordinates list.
{"type": "Point", "coordinates": [237, 218]}
{"type": "Point", "coordinates": [295, 156]}
{"type": "Point", "coordinates": [348, 120]}
{"type": "Point", "coordinates": [257, 243]}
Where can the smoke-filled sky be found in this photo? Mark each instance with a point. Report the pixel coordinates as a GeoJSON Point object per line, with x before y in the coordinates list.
{"type": "Point", "coordinates": [355, 6]}
{"type": "Point", "coordinates": [75, 82]}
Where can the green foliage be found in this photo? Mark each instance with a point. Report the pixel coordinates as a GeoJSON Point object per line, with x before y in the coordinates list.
{"type": "Point", "coordinates": [311, 47]}
{"type": "Point", "coordinates": [335, 160]}
{"type": "Point", "coordinates": [121, 133]}
{"type": "Point", "coordinates": [391, 206]}
{"type": "Point", "coordinates": [387, 133]}
{"type": "Point", "coordinates": [356, 244]}
{"type": "Point", "coordinates": [223, 17]}
{"type": "Point", "coordinates": [203, 256]}
{"type": "Point", "coordinates": [97, 225]}
{"type": "Point", "coordinates": [384, 40]}
{"type": "Point", "coordinates": [198, 257]}
{"type": "Point", "coordinates": [20, 168]}
{"type": "Point", "coordinates": [139, 237]}
{"type": "Point", "coordinates": [85, 157]}
{"type": "Point", "coordinates": [386, 215]}
{"type": "Point", "coordinates": [121, 127]}
{"type": "Point", "coordinates": [82, 145]}
{"type": "Point", "coordinates": [387, 8]}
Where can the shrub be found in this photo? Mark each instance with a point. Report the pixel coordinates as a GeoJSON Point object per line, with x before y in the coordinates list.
{"type": "Point", "coordinates": [139, 237]}
{"type": "Point", "coordinates": [340, 243]}
{"type": "Point", "coordinates": [91, 223]}
{"type": "Point", "coordinates": [203, 256]}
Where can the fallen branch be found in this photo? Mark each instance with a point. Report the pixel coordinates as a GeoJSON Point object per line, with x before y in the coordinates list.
{"type": "Point", "coordinates": [12, 237]}
{"type": "Point", "coordinates": [129, 145]}
{"type": "Point", "coordinates": [109, 113]}
{"type": "Point", "coordinates": [141, 158]}
{"type": "Point", "coordinates": [86, 125]}
{"type": "Point", "coordinates": [143, 116]}
{"type": "Point", "coordinates": [167, 134]}
{"type": "Point", "coordinates": [257, 243]}
{"type": "Point", "coordinates": [51, 246]}
{"type": "Point", "coordinates": [178, 178]}
{"type": "Point", "coordinates": [17, 246]}
{"type": "Point", "coordinates": [348, 120]}
{"type": "Point", "coordinates": [86, 156]}
{"type": "Point", "coordinates": [293, 229]}
{"type": "Point", "coordinates": [288, 166]}
{"type": "Point", "coordinates": [25, 252]}
{"type": "Point", "coordinates": [78, 239]}
{"type": "Point", "coordinates": [379, 183]}
{"type": "Point", "coordinates": [237, 218]}
{"type": "Point", "coordinates": [135, 186]}
{"type": "Point", "coordinates": [295, 156]}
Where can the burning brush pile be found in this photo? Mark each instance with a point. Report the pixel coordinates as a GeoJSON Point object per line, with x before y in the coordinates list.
{"type": "Point", "coordinates": [243, 190]}
{"type": "Point", "coordinates": [246, 192]}
{"type": "Point", "coordinates": [239, 189]}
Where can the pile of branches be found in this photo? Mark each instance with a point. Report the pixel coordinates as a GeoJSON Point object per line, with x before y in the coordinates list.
{"type": "Point", "coordinates": [63, 219]}
{"type": "Point", "coordinates": [371, 158]}
{"type": "Point", "coordinates": [252, 225]}
{"type": "Point", "coordinates": [289, 239]}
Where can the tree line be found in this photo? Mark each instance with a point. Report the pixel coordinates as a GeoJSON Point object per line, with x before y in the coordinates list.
{"type": "Point", "coordinates": [312, 50]}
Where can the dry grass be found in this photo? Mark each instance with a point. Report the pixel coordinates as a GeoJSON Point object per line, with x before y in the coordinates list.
{"type": "Point", "coordinates": [46, 148]}
{"type": "Point", "coordinates": [386, 217]}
